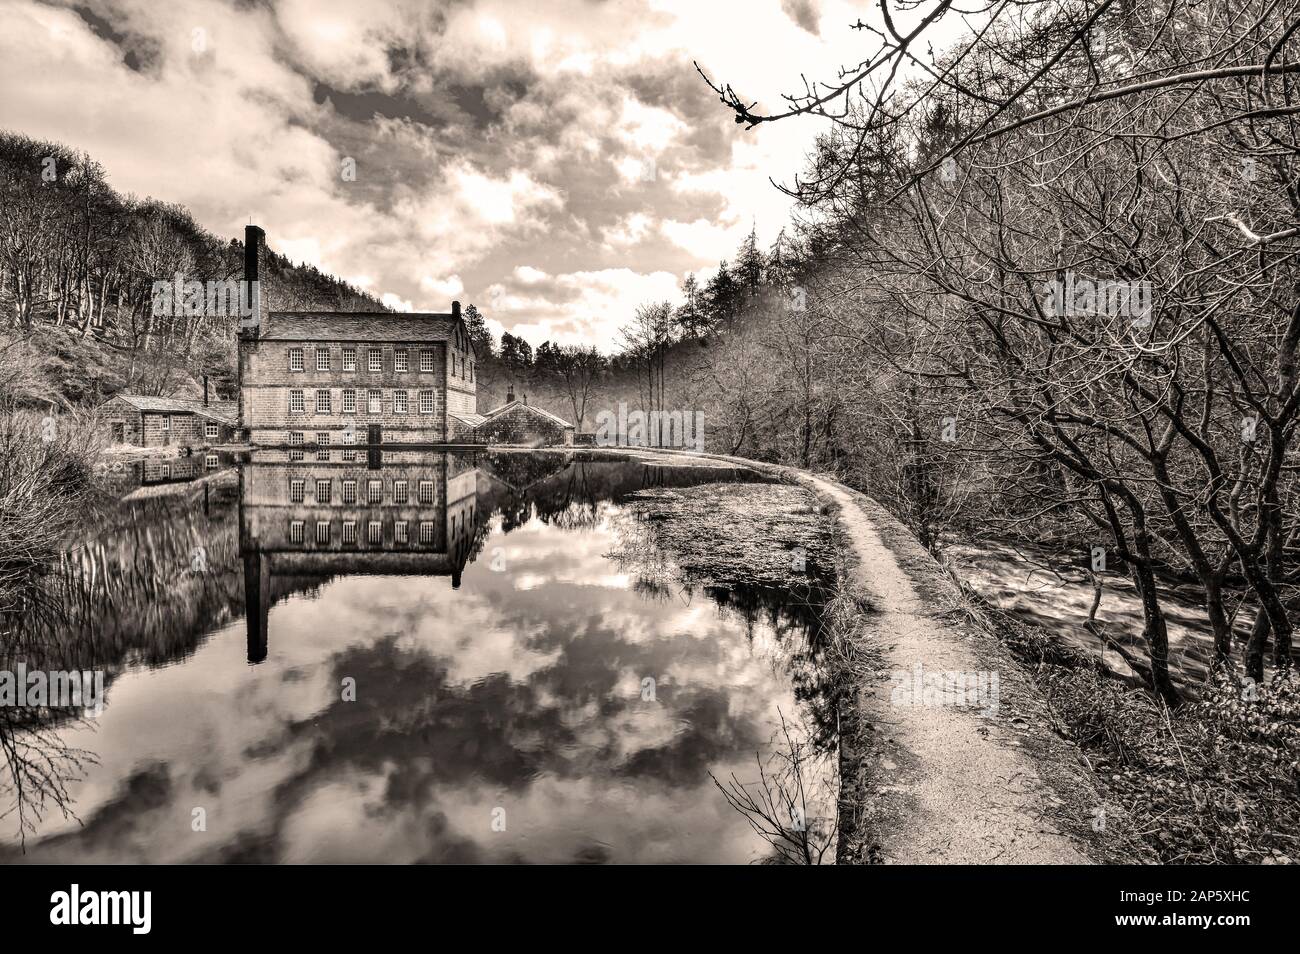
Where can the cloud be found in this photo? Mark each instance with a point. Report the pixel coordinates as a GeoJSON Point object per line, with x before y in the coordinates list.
{"type": "Point", "coordinates": [396, 302]}
{"type": "Point", "coordinates": [630, 230]}
{"type": "Point", "coordinates": [577, 142]}
{"type": "Point", "coordinates": [802, 12]}
{"type": "Point", "coordinates": [446, 288]}
{"type": "Point", "coordinates": [704, 239]}
{"type": "Point", "coordinates": [579, 307]}
{"type": "Point", "coordinates": [529, 275]}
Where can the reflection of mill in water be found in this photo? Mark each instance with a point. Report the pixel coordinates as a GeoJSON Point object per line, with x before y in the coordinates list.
{"type": "Point", "coordinates": [349, 512]}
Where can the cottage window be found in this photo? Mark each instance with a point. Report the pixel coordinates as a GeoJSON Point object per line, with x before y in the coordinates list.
{"type": "Point", "coordinates": [295, 531]}
{"type": "Point", "coordinates": [322, 531]}
{"type": "Point", "coordinates": [349, 531]}
{"type": "Point", "coordinates": [211, 431]}
{"type": "Point", "coordinates": [400, 360]}
{"type": "Point", "coordinates": [349, 359]}
{"type": "Point", "coordinates": [375, 401]}
{"type": "Point", "coordinates": [399, 402]}
{"type": "Point", "coordinates": [349, 491]}
{"type": "Point", "coordinates": [322, 359]}
{"type": "Point", "coordinates": [349, 401]}
{"type": "Point", "coordinates": [374, 532]}
{"type": "Point", "coordinates": [426, 360]}
{"type": "Point", "coordinates": [211, 461]}
{"type": "Point", "coordinates": [426, 493]}
{"type": "Point", "coordinates": [374, 491]}
{"type": "Point", "coordinates": [166, 422]}
{"type": "Point", "coordinates": [399, 492]}
{"type": "Point", "coordinates": [426, 402]}
{"type": "Point", "coordinates": [376, 362]}
{"type": "Point", "coordinates": [426, 531]}
{"type": "Point", "coordinates": [400, 534]}
{"type": "Point", "coordinates": [165, 472]}
{"type": "Point", "coordinates": [296, 401]}
{"type": "Point", "coordinates": [323, 488]}
{"type": "Point", "coordinates": [296, 488]}
{"type": "Point", "coordinates": [295, 359]}
{"type": "Point", "coordinates": [322, 402]}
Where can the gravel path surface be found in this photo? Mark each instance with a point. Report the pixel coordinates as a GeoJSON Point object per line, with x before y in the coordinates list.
{"type": "Point", "coordinates": [935, 779]}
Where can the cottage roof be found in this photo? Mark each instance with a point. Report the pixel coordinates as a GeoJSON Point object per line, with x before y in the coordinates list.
{"type": "Point", "coordinates": [225, 412]}
{"type": "Point", "coordinates": [512, 405]}
{"type": "Point", "coordinates": [357, 326]}
{"type": "Point", "coordinates": [473, 420]}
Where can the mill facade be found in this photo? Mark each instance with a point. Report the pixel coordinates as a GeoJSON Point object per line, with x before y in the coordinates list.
{"type": "Point", "coordinates": [324, 379]}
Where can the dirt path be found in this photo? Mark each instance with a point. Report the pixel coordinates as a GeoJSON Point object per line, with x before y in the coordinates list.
{"type": "Point", "coordinates": [956, 782]}
{"type": "Point", "coordinates": [937, 782]}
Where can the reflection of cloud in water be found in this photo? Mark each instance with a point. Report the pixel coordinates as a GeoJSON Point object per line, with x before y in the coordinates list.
{"type": "Point", "coordinates": [526, 698]}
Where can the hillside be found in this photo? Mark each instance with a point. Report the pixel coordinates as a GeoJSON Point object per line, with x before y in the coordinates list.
{"type": "Point", "coordinates": [77, 265]}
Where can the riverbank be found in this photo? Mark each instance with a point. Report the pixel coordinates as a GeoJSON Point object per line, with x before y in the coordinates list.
{"type": "Point", "coordinates": [931, 771]}
{"type": "Point", "coordinates": [1075, 764]}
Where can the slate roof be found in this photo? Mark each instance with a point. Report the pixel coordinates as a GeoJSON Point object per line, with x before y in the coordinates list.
{"type": "Point", "coordinates": [356, 326]}
{"type": "Point", "coordinates": [497, 412]}
{"type": "Point", "coordinates": [473, 420]}
{"type": "Point", "coordinates": [225, 412]}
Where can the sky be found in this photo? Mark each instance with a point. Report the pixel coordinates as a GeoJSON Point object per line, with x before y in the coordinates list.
{"type": "Point", "coordinates": [555, 162]}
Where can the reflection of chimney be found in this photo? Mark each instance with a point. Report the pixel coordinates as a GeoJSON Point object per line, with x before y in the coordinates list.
{"type": "Point", "coordinates": [510, 393]}
{"type": "Point", "coordinates": [205, 390]}
{"type": "Point", "coordinates": [257, 602]}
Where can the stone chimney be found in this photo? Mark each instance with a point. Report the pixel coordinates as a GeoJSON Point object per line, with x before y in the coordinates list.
{"type": "Point", "coordinates": [205, 390]}
{"type": "Point", "coordinates": [455, 310]}
{"type": "Point", "coordinates": [510, 393]}
{"type": "Point", "coordinates": [253, 239]}
{"type": "Point", "coordinates": [250, 327]}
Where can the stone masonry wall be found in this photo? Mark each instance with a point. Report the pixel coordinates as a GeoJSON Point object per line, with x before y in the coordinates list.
{"type": "Point", "coordinates": [267, 383]}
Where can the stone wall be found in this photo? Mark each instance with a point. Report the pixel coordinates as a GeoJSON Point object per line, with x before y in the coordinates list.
{"type": "Point", "coordinates": [524, 426]}
{"type": "Point", "coordinates": [161, 429]}
{"type": "Point", "coordinates": [267, 383]}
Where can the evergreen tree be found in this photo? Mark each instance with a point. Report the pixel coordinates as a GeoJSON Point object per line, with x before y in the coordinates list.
{"type": "Point", "coordinates": [692, 315]}
{"type": "Point", "coordinates": [748, 272]}
{"type": "Point", "coordinates": [479, 334]}
{"type": "Point", "coordinates": [722, 295]}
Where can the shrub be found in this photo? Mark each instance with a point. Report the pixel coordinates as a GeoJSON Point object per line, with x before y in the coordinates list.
{"type": "Point", "coordinates": [46, 481]}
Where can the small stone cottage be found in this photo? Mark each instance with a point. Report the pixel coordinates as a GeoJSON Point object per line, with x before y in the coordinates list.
{"type": "Point", "coordinates": [522, 424]}
{"type": "Point", "coordinates": [162, 421]}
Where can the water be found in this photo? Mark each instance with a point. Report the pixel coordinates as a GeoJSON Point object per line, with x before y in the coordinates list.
{"type": "Point", "coordinates": [520, 678]}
